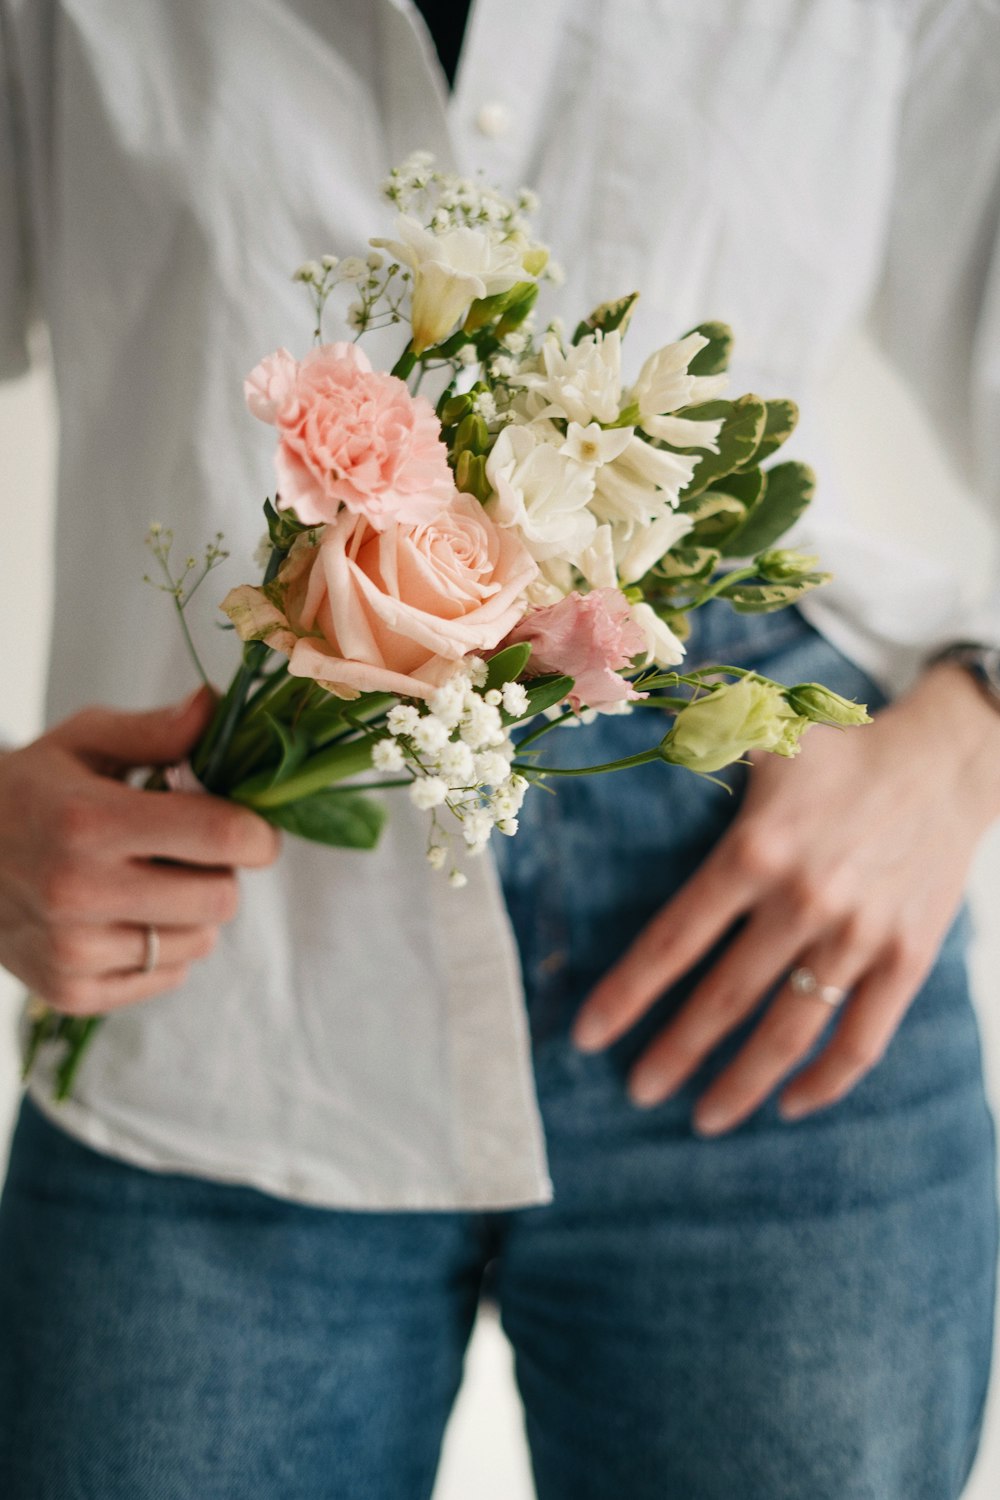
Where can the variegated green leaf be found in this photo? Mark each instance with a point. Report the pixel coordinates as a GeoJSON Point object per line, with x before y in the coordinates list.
{"type": "Point", "coordinates": [607, 317]}
{"type": "Point", "coordinates": [789, 489]}
{"type": "Point", "coordinates": [714, 358]}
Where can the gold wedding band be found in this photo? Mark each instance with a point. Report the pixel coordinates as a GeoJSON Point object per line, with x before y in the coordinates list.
{"type": "Point", "coordinates": [804, 982]}
{"type": "Point", "coordinates": [152, 955]}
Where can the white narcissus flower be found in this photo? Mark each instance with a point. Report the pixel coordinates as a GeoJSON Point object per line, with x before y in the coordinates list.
{"type": "Point", "coordinates": [450, 271]}
{"type": "Point", "coordinates": [648, 544]}
{"type": "Point", "coordinates": [541, 492]}
{"type": "Point", "coordinates": [594, 444]}
{"type": "Point", "coordinates": [640, 484]}
{"type": "Point", "coordinates": [663, 647]}
{"type": "Point", "coordinates": [582, 384]}
{"type": "Point", "coordinates": [664, 384]}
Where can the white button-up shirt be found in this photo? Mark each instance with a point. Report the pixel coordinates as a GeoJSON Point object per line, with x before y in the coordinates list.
{"type": "Point", "coordinates": [790, 166]}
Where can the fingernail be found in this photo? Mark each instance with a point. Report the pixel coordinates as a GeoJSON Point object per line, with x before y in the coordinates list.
{"type": "Point", "coordinates": [710, 1121]}
{"type": "Point", "coordinates": [180, 709]}
{"type": "Point", "coordinates": [792, 1109]}
{"type": "Point", "coordinates": [589, 1033]}
{"type": "Point", "coordinates": [646, 1089]}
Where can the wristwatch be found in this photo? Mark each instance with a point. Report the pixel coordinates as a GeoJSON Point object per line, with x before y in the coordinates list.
{"type": "Point", "coordinates": [981, 662]}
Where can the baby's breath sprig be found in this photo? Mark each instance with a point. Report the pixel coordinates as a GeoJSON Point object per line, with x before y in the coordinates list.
{"type": "Point", "coordinates": [160, 540]}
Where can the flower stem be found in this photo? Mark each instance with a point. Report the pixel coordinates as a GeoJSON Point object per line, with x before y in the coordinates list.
{"type": "Point", "coordinates": [643, 758]}
{"type": "Point", "coordinates": [319, 772]}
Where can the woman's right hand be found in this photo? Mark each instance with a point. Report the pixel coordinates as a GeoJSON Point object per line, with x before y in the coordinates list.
{"type": "Point", "coordinates": [88, 864]}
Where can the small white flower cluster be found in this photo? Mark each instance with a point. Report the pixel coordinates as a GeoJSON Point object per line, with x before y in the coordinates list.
{"type": "Point", "coordinates": [376, 301]}
{"type": "Point", "coordinates": [446, 201]}
{"type": "Point", "coordinates": [457, 750]}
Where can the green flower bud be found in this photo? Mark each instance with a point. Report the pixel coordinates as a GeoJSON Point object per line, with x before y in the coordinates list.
{"type": "Point", "coordinates": [713, 731]}
{"type": "Point", "coordinates": [470, 475]}
{"type": "Point", "coordinates": [454, 409]}
{"type": "Point", "coordinates": [783, 565]}
{"type": "Point", "coordinates": [473, 435]}
{"type": "Point", "coordinates": [823, 706]}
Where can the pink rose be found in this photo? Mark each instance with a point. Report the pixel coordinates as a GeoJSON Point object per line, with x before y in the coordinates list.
{"type": "Point", "coordinates": [350, 436]}
{"type": "Point", "coordinates": [589, 637]}
{"type": "Point", "coordinates": [390, 611]}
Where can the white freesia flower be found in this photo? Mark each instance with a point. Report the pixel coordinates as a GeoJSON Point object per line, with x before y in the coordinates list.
{"type": "Point", "coordinates": [450, 270]}
{"type": "Point", "coordinates": [541, 492]}
{"type": "Point", "coordinates": [594, 444]}
{"type": "Point", "coordinates": [648, 544]}
{"type": "Point", "coordinates": [664, 383]}
{"type": "Point", "coordinates": [581, 384]}
{"type": "Point", "coordinates": [662, 647]}
{"type": "Point", "coordinates": [640, 484]}
{"type": "Point", "coordinates": [597, 563]}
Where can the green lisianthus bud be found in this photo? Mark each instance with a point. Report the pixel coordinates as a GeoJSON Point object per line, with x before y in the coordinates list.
{"type": "Point", "coordinates": [473, 435]}
{"type": "Point", "coordinates": [783, 565]}
{"type": "Point", "coordinates": [522, 299]}
{"type": "Point", "coordinates": [713, 731]}
{"type": "Point", "coordinates": [823, 706]}
{"type": "Point", "coordinates": [454, 409]}
{"type": "Point", "coordinates": [470, 475]}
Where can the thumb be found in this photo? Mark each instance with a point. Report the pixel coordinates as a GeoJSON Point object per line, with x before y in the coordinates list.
{"type": "Point", "coordinates": [113, 741]}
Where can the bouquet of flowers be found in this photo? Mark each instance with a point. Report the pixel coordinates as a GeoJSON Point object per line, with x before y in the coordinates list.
{"type": "Point", "coordinates": [446, 581]}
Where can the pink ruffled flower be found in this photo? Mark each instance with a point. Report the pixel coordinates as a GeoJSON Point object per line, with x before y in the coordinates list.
{"type": "Point", "coordinates": [350, 436]}
{"type": "Point", "coordinates": [366, 611]}
{"type": "Point", "coordinates": [589, 637]}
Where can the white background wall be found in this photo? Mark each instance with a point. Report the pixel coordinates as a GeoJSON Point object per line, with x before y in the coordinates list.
{"type": "Point", "coordinates": [896, 480]}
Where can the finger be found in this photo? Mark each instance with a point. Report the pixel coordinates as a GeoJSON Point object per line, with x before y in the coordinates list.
{"type": "Point", "coordinates": [789, 1028]}
{"type": "Point", "coordinates": [91, 951]}
{"type": "Point", "coordinates": [140, 894]}
{"type": "Point", "coordinates": [92, 996]}
{"type": "Point", "coordinates": [105, 818]}
{"type": "Point", "coordinates": [112, 740]}
{"type": "Point", "coordinates": [721, 890]}
{"type": "Point", "coordinates": [867, 1026]}
{"type": "Point", "coordinates": [733, 988]}
{"type": "Point", "coordinates": [195, 829]}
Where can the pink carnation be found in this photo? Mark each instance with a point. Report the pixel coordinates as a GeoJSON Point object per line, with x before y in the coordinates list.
{"type": "Point", "coordinates": [589, 637]}
{"type": "Point", "coordinates": [350, 436]}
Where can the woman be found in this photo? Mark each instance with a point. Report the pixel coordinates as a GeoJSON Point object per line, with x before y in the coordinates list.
{"type": "Point", "coordinates": [247, 1254]}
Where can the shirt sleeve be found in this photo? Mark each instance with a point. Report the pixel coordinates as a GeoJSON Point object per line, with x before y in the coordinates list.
{"type": "Point", "coordinates": [937, 311]}
{"type": "Point", "coordinates": [15, 260]}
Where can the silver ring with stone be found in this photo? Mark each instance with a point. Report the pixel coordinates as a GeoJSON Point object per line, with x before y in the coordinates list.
{"type": "Point", "coordinates": [804, 982]}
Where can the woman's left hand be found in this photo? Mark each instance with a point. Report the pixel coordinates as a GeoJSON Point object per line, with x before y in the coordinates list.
{"type": "Point", "coordinates": [851, 861]}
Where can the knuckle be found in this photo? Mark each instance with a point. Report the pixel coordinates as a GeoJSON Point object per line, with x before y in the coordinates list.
{"type": "Point", "coordinates": [73, 997]}
{"type": "Point", "coordinates": [70, 949]}
{"type": "Point", "coordinates": [757, 853]}
{"type": "Point", "coordinates": [78, 824]}
{"type": "Point", "coordinates": [64, 893]}
{"type": "Point", "coordinates": [205, 941]}
{"type": "Point", "coordinates": [909, 954]}
{"type": "Point", "coordinates": [810, 898]}
{"type": "Point", "coordinates": [224, 833]}
{"type": "Point", "coordinates": [224, 899]}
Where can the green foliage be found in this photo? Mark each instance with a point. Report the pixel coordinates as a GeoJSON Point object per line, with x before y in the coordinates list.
{"type": "Point", "coordinates": [789, 488]}
{"type": "Point", "coordinates": [607, 317]}
{"type": "Point", "coordinates": [544, 692]}
{"type": "Point", "coordinates": [507, 665]}
{"type": "Point", "coordinates": [742, 429]}
{"type": "Point", "coordinates": [688, 564]}
{"type": "Point", "coordinates": [781, 421]}
{"type": "Point", "coordinates": [343, 819]}
{"type": "Point", "coordinates": [763, 598]}
{"type": "Point", "coordinates": [714, 358]}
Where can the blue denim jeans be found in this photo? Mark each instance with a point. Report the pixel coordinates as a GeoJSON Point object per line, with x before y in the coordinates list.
{"type": "Point", "coordinates": [787, 1311]}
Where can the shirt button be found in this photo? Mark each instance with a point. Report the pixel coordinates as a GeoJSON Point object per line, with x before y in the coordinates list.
{"type": "Point", "coordinates": [493, 119]}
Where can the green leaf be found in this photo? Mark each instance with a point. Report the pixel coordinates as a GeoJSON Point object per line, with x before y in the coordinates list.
{"type": "Point", "coordinates": [741, 431]}
{"type": "Point", "coordinates": [782, 420]}
{"type": "Point", "coordinates": [690, 564]}
{"type": "Point", "coordinates": [507, 665]}
{"type": "Point", "coordinates": [789, 489]}
{"type": "Point", "coordinates": [607, 317]}
{"type": "Point", "coordinates": [715, 515]}
{"type": "Point", "coordinates": [295, 746]}
{"type": "Point", "coordinates": [344, 819]}
{"type": "Point", "coordinates": [763, 598]}
{"type": "Point", "coordinates": [544, 692]}
{"type": "Point", "coordinates": [714, 358]}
